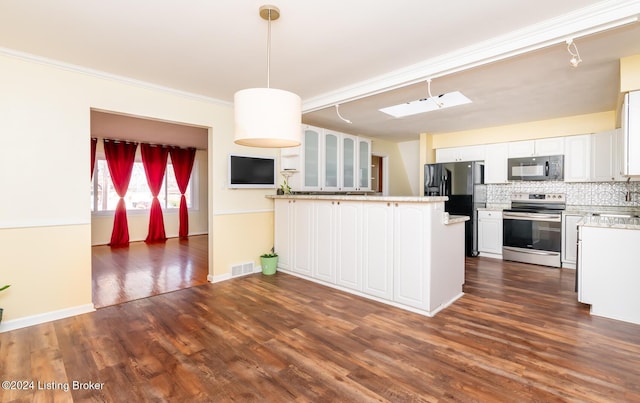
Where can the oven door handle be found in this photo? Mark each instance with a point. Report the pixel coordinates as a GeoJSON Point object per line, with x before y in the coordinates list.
{"type": "Point", "coordinates": [533, 217]}
{"type": "Point", "coordinates": [531, 252]}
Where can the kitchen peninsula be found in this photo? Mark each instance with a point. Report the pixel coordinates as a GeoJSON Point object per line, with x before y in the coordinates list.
{"type": "Point", "coordinates": [403, 251]}
{"type": "Point", "coordinates": [608, 270]}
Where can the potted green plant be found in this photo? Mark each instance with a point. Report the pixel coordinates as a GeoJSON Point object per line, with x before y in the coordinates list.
{"type": "Point", "coordinates": [2, 289]}
{"type": "Point", "coordinates": [269, 263]}
{"type": "Point", "coordinates": [285, 188]}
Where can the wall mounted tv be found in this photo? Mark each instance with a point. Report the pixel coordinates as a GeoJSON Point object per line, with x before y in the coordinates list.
{"type": "Point", "coordinates": [251, 172]}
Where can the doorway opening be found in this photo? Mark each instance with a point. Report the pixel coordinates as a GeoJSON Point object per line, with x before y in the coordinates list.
{"type": "Point", "coordinates": [380, 174]}
{"type": "Point", "coordinates": [141, 270]}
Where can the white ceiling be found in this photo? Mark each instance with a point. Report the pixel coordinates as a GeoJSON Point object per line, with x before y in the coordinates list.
{"type": "Point", "coordinates": [363, 54]}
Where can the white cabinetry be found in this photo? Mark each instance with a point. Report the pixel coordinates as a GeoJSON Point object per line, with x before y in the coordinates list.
{"type": "Point", "coordinates": [631, 129]}
{"type": "Point", "coordinates": [309, 178]}
{"type": "Point", "coordinates": [364, 164]}
{"type": "Point", "coordinates": [328, 161]}
{"type": "Point", "coordinates": [394, 251]}
{"type": "Point", "coordinates": [570, 239]}
{"type": "Point", "coordinates": [348, 239]}
{"type": "Point", "coordinates": [283, 234]}
{"type": "Point", "coordinates": [456, 154]}
{"type": "Point", "coordinates": [410, 253]}
{"type": "Point", "coordinates": [577, 159]}
{"type": "Point", "coordinates": [324, 267]}
{"type": "Point", "coordinates": [532, 148]}
{"type": "Point", "coordinates": [490, 233]}
{"type": "Point", "coordinates": [377, 241]}
{"type": "Point", "coordinates": [608, 273]}
{"type": "Point", "coordinates": [495, 163]}
{"type": "Point", "coordinates": [303, 237]}
{"type": "Point", "coordinates": [607, 156]}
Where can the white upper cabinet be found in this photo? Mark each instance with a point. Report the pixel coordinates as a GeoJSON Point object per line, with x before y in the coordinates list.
{"type": "Point", "coordinates": [331, 169]}
{"type": "Point", "coordinates": [495, 163]}
{"type": "Point", "coordinates": [349, 159]}
{"type": "Point", "coordinates": [328, 161]}
{"type": "Point", "coordinates": [311, 158]}
{"type": "Point", "coordinates": [606, 156]}
{"type": "Point", "coordinates": [364, 165]}
{"type": "Point", "coordinates": [577, 158]}
{"type": "Point", "coordinates": [532, 148]}
{"type": "Point", "coordinates": [456, 154]}
{"type": "Point", "coordinates": [631, 130]}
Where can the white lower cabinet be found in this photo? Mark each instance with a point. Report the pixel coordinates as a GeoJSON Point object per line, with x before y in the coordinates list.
{"type": "Point", "coordinates": [303, 235]}
{"type": "Point", "coordinates": [348, 241]}
{"type": "Point", "coordinates": [570, 239]}
{"type": "Point", "coordinates": [377, 241]}
{"type": "Point", "coordinates": [283, 236]}
{"type": "Point", "coordinates": [399, 252]}
{"type": "Point", "coordinates": [324, 267]}
{"type": "Point", "coordinates": [410, 255]}
{"type": "Point", "coordinates": [490, 233]}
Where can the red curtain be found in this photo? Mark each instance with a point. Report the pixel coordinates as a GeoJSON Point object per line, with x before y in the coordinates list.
{"type": "Point", "coordinates": [154, 159]}
{"type": "Point", "coordinates": [182, 161]}
{"type": "Point", "coordinates": [120, 157]}
{"type": "Point", "coordinates": [94, 143]}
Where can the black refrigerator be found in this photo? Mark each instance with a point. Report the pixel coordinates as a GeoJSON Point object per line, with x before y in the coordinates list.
{"type": "Point", "coordinates": [463, 183]}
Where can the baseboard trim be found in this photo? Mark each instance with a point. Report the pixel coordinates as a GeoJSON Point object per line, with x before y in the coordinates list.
{"type": "Point", "coordinates": [45, 317]}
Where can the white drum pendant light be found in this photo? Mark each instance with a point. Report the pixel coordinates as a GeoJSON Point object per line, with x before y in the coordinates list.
{"type": "Point", "coordinates": [267, 117]}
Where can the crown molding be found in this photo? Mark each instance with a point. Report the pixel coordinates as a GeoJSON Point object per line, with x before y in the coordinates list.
{"type": "Point", "coordinates": [586, 21]}
{"type": "Point", "coordinates": [107, 76]}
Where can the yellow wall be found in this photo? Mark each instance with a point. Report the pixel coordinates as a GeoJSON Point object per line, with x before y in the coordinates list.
{"type": "Point", "coordinates": [566, 126]}
{"type": "Point", "coordinates": [102, 223]}
{"type": "Point", "coordinates": [241, 238]}
{"type": "Point", "coordinates": [45, 224]}
{"type": "Point", "coordinates": [630, 73]}
{"type": "Point", "coordinates": [49, 269]}
{"type": "Point", "coordinates": [398, 182]}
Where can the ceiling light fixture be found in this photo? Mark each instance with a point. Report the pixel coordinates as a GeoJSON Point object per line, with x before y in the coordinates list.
{"type": "Point", "coordinates": [340, 116]}
{"type": "Point", "coordinates": [438, 103]}
{"type": "Point", "coordinates": [267, 117]}
{"type": "Point", "coordinates": [573, 51]}
{"type": "Point", "coordinates": [428, 104]}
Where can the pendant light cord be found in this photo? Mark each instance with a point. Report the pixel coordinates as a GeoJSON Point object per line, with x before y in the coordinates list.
{"type": "Point", "coordinates": [269, 50]}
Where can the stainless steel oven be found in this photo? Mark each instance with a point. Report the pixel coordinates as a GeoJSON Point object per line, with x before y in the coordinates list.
{"type": "Point", "coordinates": [532, 229]}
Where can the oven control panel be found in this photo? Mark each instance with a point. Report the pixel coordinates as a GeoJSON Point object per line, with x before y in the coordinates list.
{"type": "Point", "coordinates": [538, 197]}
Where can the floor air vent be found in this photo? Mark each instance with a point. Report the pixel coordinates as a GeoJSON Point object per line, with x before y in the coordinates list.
{"type": "Point", "coordinates": [242, 269]}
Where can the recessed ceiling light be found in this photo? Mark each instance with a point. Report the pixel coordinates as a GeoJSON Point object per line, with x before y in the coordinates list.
{"type": "Point", "coordinates": [441, 101]}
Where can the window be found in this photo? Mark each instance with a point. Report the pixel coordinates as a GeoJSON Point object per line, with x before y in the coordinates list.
{"type": "Point", "coordinates": [105, 198]}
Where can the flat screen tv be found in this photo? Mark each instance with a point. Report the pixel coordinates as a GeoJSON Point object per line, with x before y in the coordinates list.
{"type": "Point", "coordinates": [252, 172]}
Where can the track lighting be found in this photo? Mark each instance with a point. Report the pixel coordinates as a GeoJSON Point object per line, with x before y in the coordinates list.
{"type": "Point", "coordinates": [573, 51]}
{"type": "Point", "coordinates": [340, 116]}
{"type": "Point", "coordinates": [435, 101]}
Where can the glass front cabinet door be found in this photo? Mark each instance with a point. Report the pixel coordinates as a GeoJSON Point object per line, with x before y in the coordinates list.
{"type": "Point", "coordinates": [349, 158]}
{"type": "Point", "coordinates": [331, 181]}
{"type": "Point", "coordinates": [311, 157]}
{"type": "Point", "coordinates": [364, 164]}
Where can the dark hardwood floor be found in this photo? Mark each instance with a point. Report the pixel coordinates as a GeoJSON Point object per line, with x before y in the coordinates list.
{"type": "Point", "coordinates": [517, 335]}
{"type": "Point", "coordinates": [142, 270]}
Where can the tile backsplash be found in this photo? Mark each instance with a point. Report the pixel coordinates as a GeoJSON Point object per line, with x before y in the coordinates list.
{"type": "Point", "coordinates": [577, 194]}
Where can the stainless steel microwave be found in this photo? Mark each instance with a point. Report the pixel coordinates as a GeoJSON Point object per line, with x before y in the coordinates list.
{"type": "Point", "coordinates": [546, 168]}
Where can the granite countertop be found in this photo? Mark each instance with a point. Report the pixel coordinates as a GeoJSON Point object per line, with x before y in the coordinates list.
{"type": "Point", "coordinates": [455, 219]}
{"type": "Point", "coordinates": [603, 210]}
{"type": "Point", "coordinates": [610, 222]}
{"type": "Point", "coordinates": [412, 199]}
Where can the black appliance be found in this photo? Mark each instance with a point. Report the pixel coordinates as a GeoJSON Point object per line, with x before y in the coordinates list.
{"type": "Point", "coordinates": [463, 184]}
{"type": "Point", "coordinates": [549, 168]}
{"type": "Point", "coordinates": [532, 228]}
